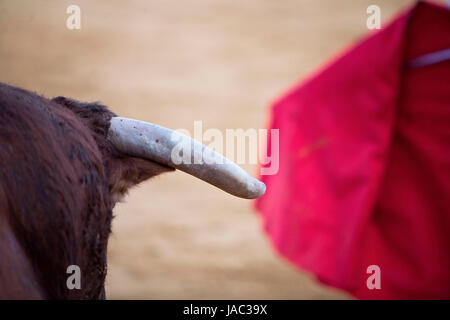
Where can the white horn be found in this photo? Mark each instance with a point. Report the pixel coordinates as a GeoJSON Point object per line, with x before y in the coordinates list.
{"type": "Point", "coordinates": [162, 145]}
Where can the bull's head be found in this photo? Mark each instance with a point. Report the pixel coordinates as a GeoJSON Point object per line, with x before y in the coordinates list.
{"type": "Point", "coordinates": [57, 192]}
{"type": "Point", "coordinates": [138, 150]}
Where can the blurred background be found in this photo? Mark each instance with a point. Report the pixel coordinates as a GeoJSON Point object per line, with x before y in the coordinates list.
{"type": "Point", "coordinates": [172, 62]}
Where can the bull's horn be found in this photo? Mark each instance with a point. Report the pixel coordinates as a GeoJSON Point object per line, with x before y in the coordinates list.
{"type": "Point", "coordinates": [159, 144]}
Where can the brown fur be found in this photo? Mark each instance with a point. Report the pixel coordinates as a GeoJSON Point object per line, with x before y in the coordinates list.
{"type": "Point", "coordinates": [59, 181]}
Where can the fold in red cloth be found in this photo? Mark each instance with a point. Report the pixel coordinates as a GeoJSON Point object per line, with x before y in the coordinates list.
{"type": "Point", "coordinates": [364, 165]}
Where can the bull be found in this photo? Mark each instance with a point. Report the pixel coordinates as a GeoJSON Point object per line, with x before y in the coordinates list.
{"type": "Point", "coordinates": [64, 164]}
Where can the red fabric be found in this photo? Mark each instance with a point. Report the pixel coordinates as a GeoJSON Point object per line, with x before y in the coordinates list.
{"type": "Point", "coordinates": [364, 165]}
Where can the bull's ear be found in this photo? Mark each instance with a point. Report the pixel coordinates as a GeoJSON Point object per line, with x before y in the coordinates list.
{"type": "Point", "coordinates": [126, 172]}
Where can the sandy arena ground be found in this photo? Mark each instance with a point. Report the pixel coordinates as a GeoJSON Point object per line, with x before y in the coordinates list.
{"type": "Point", "coordinates": [173, 62]}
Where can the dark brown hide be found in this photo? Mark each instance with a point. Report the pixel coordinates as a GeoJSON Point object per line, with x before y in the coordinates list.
{"type": "Point", "coordinates": [59, 181]}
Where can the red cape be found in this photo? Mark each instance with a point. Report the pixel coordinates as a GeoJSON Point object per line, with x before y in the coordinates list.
{"type": "Point", "coordinates": [364, 165]}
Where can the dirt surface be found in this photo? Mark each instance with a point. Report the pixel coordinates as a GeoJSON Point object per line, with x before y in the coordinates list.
{"type": "Point", "coordinates": [173, 62]}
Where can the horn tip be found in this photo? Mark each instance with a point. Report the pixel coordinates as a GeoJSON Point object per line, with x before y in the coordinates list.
{"type": "Point", "coordinates": [257, 189]}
